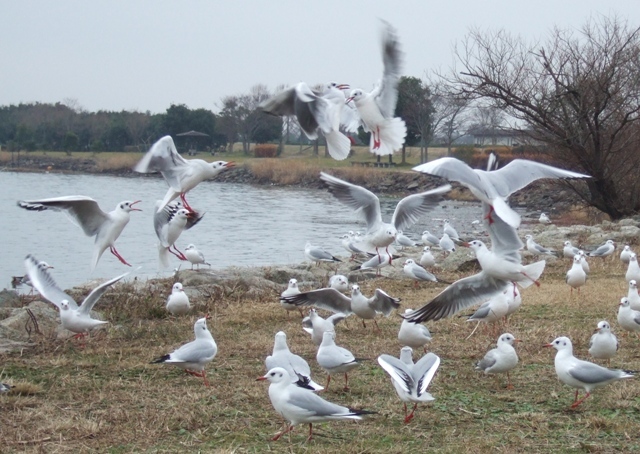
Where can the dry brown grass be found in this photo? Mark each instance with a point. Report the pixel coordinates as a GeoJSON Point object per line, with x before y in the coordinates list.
{"type": "Point", "coordinates": [106, 397]}
{"type": "Point", "coordinates": [116, 161]}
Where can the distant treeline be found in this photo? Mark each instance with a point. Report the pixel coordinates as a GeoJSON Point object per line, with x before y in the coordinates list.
{"type": "Point", "coordinates": [61, 127]}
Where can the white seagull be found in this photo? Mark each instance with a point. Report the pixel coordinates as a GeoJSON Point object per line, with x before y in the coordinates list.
{"type": "Point", "coordinates": [492, 310]}
{"type": "Point", "coordinates": [544, 219]}
{"type": "Point", "coordinates": [291, 290]}
{"type": "Point", "coordinates": [537, 249]}
{"type": "Point", "coordinates": [178, 301]}
{"type": "Point", "coordinates": [632, 295]}
{"type": "Point", "coordinates": [317, 326]}
{"type": "Point", "coordinates": [411, 380]}
{"type": "Point", "coordinates": [335, 360]}
{"type": "Point", "coordinates": [427, 259]}
{"type": "Point", "coordinates": [501, 359]}
{"type": "Point", "coordinates": [625, 254]}
{"type": "Point", "coordinates": [195, 257]}
{"type": "Point", "coordinates": [446, 244]}
{"type": "Point", "coordinates": [495, 186]}
{"type": "Point", "coordinates": [332, 300]}
{"type": "Point", "coordinates": [417, 273]}
{"type": "Point", "coordinates": [569, 251]}
{"type": "Point", "coordinates": [300, 406]}
{"type": "Point", "coordinates": [314, 111]}
{"type": "Point", "coordinates": [318, 254]}
{"type": "Point", "coordinates": [180, 174]}
{"type": "Point", "coordinates": [194, 356]}
{"type": "Point", "coordinates": [85, 212]}
{"type": "Point", "coordinates": [295, 365]}
{"type": "Point", "coordinates": [377, 108]}
{"type": "Point", "coordinates": [169, 224]}
{"type": "Point", "coordinates": [628, 319]}
{"type": "Point", "coordinates": [449, 230]}
{"type": "Point", "coordinates": [603, 344]}
{"type": "Point", "coordinates": [339, 282]}
{"type": "Point", "coordinates": [75, 318]}
{"type": "Point", "coordinates": [413, 335]}
{"type": "Point", "coordinates": [430, 239]}
{"type": "Point", "coordinates": [381, 234]}
{"type": "Point", "coordinates": [576, 277]}
{"type": "Point", "coordinates": [583, 262]}
{"type": "Point", "coordinates": [500, 266]}
{"type": "Point", "coordinates": [633, 269]}
{"type": "Point", "coordinates": [377, 262]}
{"type": "Point", "coordinates": [581, 374]}
{"type": "Point", "coordinates": [603, 250]}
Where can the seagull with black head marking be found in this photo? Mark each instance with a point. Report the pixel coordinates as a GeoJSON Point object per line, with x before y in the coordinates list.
{"type": "Point", "coordinates": [76, 319]}
{"type": "Point", "coordinates": [180, 174]}
{"type": "Point", "coordinates": [381, 234]}
{"type": "Point", "coordinates": [86, 213]}
{"type": "Point", "coordinates": [169, 223]}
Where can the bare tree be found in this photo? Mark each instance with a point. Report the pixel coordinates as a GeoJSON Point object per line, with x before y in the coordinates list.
{"type": "Point", "coordinates": [450, 117]}
{"type": "Point", "coordinates": [578, 93]}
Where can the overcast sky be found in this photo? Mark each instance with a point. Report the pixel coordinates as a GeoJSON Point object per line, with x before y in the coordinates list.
{"type": "Point", "coordinates": [147, 54]}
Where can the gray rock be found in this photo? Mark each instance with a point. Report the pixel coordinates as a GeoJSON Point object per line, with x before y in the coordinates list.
{"type": "Point", "coordinates": [9, 298]}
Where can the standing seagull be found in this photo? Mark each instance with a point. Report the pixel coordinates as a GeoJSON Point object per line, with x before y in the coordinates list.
{"type": "Point", "coordinates": [495, 186]}
{"type": "Point", "coordinates": [335, 360]}
{"type": "Point", "coordinates": [411, 380]}
{"type": "Point", "coordinates": [569, 251]}
{"type": "Point", "coordinates": [318, 254]}
{"type": "Point", "coordinates": [427, 259]}
{"type": "Point", "coordinates": [413, 335]}
{"type": "Point", "coordinates": [537, 249]}
{"type": "Point", "coordinates": [603, 344]}
{"type": "Point", "coordinates": [626, 254]}
{"type": "Point", "coordinates": [429, 238]}
{"type": "Point", "coordinates": [628, 319]}
{"type": "Point", "coordinates": [581, 374]}
{"type": "Point", "coordinates": [633, 269]}
{"type": "Point", "coordinates": [295, 365]}
{"type": "Point", "coordinates": [194, 356]}
{"type": "Point", "coordinates": [314, 111]}
{"type": "Point", "coordinates": [633, 296]}
{"type": "Point", "coordinates": [544, 219]}
{"type": "Point", "coordinates": [449, 230]}
{"type": "Point", "coordinates": [85, 212]}
{"type": "Point", "coordinates": [377, 108]}
{"type": "Point", "coordinates": [181, 175]}
{"type": "Point", "coordinates": [291, 290]}
{"type": "Point", "coordinates": [301, 406]}
{"type": "Point", "coordinates": [195, 256]}
{"type": "Point", "coordinates": [417, 273]}
{"type": "Point", "coordinates": [75, 318]}
{"type": "Point", "coordinates": [503, 358]}
{"type": "Point", "coordinates": [381, 234]}
{"type": "Point", "coordinates": [178, 301]}
{"type": "Point", "coordinates": [446, 244]}
{"type": "Point", "coordinates": [603, 250]}
{"type": "Point", "coordinates": [317, 326]}
{"type": "Point", "coordinates": [576, 277]}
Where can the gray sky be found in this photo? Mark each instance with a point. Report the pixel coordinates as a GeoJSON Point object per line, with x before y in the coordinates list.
{"type": "Point", "coordinates": [145, 55]}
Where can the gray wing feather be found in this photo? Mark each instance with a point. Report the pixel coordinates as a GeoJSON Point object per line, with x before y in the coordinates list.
{"type": "Point", "coordinates": [315, 404]}
{"type": "Point", "coordinates": [398, 371]}
{"type": "Point", "coordinates": [336, 318]}
{"type": "Point", "coordinates": [163, 157]}
{"type": "Point", "coordinates": [44, 283]}
{"type": "Point", "coordinates": [482, 312]}
{"type": "Point", "coordinates": [83, 211]}
{"type": "Point", "coordinates": [488, 361]}
{"type": "Point", "coordinates": [356, 197]}
{"type": "Point", "coordinates": [325, 298]}
{"type": "Point", "coordinates": [505, 241]}
{"type": "Point", "coordinates": [592, 373]}
{"type": "Point", "coordinates": [459, 295]}
{"type": "Point", "coordinates": [423, 274]}
{"type": "Point", "coordinates": [456, 170]}
{"type": "Point", "coordinates": [194, 352]}
{"type": "Point", "coordinates": [384, 303]}
{"type": "Point", "coordinates": [386, 95]}
{"type": "Point", "coordinates": [409, 209]}
{"type": "Point", "coordinates": [424, 370]}
{"type": "Point", "coordinates": [520, 172]}
{"type": "Point", "coordinates": [96, 293]}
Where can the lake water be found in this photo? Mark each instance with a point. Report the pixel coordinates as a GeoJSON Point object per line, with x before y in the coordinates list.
{"type": "Point", "coordinates": [244, 225]}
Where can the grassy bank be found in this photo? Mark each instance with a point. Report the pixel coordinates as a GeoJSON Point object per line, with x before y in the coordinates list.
{"type": "Point", "coordinates": [107, 397]}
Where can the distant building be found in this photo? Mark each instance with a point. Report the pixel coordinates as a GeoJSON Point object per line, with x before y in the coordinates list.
{"type": "Point", "coordinates": [505, 137]}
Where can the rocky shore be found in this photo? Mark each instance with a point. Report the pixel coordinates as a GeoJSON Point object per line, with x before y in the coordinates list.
{"type": "Point", "coordinates": [22, 317]}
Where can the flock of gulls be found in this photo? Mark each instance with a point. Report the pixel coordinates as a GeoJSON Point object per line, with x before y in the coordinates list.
{"type": "Point", "coordinates": [496, 288]}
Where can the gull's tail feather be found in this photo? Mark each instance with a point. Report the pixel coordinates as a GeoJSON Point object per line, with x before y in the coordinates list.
{"type": "Point", "coordinates": [338, 144]}
{"type": "Point", "coordinates": [168, 197]}
{"type": "Point", "coordinates": [392, 135]}
{"type": "Point", "coordinates": [505, 212]}
{"type": "Point", "coordinates": [97, 253]}
{"type": "Point", "coordinates": [533, 272]}
{"type": "Point", "coordinates": [163, 256]}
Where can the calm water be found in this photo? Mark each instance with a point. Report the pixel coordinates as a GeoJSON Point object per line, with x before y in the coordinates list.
{"type": "Point", "coordinates": [243, 225]}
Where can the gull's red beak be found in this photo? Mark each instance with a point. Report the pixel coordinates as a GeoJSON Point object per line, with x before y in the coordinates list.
{"type": "Point", "coordinates": [547, 345]}
{"type": "Point", "coordinates": [465, 244]}
{"type": "Point", "coordinates": [517, 340]}
{"type": "Point", "coordinates": [133, 203]}
{"type": "Point", "coordinates": [230, 164]}
{"type": "Point", "coordinates": [342, 86]}
{"type": "Point", "coordinates": [261, 378]}
{"type": "Point", "coordinates": [207, 317]}
{"type": "Point", "coordinates": [349, 99]}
